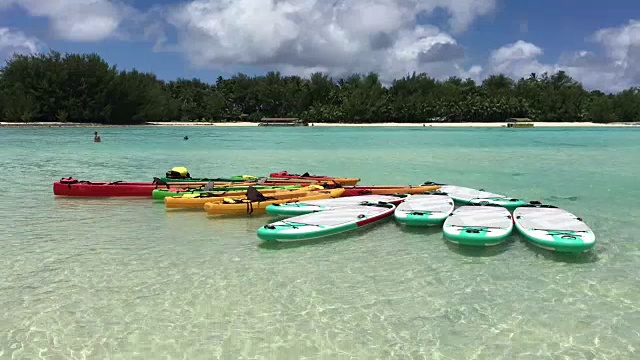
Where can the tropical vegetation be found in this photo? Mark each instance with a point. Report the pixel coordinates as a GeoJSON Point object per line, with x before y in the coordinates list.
{"type": "Point", "coordinates": [84, 88]}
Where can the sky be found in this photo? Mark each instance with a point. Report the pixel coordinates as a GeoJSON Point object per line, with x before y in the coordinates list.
{"type": "Point", "coordinates": [596, 42]}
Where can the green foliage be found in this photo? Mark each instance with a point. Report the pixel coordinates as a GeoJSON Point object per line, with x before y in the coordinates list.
{"type": "Point", "coordinates": [85, 88]}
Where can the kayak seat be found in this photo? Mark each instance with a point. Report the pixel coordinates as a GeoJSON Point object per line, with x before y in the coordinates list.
{"type": "Point", "coordinates": [69, 180]}
{"type": "Point", "coordinates": [208, 187]}
{"type": "Point", "coordinates": [157, 181]}
{"type": "Point", "coordinates": [254, 195]}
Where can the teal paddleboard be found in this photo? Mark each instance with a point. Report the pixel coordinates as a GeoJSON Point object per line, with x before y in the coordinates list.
{"type": "Point", "coordinates": [478, 225]}
{"type": "Point", "coordinates": [554, 229]}
{"type": "Point", "coordinates": [305, 207]}
{"type": "Point", "coordinates": [325, 223]}
{"type": "Point", "coordinates": [424, 210]}
{"type": "Point", "coordinates": [465, 195]}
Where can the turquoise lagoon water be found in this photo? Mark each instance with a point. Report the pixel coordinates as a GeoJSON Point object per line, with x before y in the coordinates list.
{"type": "Point", "coordinates": [126, 279]}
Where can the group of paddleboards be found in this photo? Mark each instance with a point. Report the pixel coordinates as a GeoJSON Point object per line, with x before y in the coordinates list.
{"type": "Point", "coordinates": [482, 219]}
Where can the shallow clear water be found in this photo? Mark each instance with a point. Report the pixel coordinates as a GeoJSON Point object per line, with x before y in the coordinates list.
{"type": "Point", "coordinates": [125, 279]}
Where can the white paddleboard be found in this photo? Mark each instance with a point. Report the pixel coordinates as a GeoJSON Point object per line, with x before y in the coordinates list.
{"type": "Point", "coordinates": [468, 195]}
{"type": "Point", "coordinates": [478, 225]}
{"type": "Point", "coordinates": [305, 207]}
{"type": "Point", "coordinates": [325, 223]}
{"type": "Point", "coordinates": [424, 209]}
{"type": "Point", "coordinates": [553, 228]}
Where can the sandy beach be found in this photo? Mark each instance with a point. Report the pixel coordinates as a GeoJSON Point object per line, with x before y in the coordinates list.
{"type": "Point", "coordinates": [246, 124]}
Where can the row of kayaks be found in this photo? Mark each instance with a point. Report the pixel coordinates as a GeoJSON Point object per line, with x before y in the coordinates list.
{"type": "Point", "coordinates": [315, 206]}
{"type": "Point", "coordinates": [179, 179]}
{"type": "Point", "coordinates": [475, 223]}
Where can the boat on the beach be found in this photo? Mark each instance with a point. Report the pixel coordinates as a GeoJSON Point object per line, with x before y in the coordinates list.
{"type": "Point", "coordinates": [325, 223]}
{"type": "Point", "coordinates": [255, 202]}
{"type": "Point", "coordinates": [478, 225]}
{"type": "Point", "coordinates": [552, 228]}
{"type": "Point", "coordinates": [470, 196]}
{"type": "Point", "coordinates": [305, 207]}
{"type": "Point", "coordinates": [424, 209]}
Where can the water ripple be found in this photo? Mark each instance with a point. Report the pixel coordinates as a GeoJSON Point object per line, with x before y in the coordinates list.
{"type": "Point", "coordinates": [125, 279]}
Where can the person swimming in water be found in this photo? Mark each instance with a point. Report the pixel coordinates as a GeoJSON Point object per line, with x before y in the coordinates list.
{"type": "Point", "coordinates": [186, 138]}
{"type": "Point", "coordinates": [96, 137]}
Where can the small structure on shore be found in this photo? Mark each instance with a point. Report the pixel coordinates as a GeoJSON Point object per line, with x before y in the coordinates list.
{"type": "Point", "coordinates": [282, 122]}
{"type": "Point", "coordinates": [519, 123]}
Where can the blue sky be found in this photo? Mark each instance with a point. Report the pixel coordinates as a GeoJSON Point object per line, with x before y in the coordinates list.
{"type": "Point", "coordinates": [597, 42]}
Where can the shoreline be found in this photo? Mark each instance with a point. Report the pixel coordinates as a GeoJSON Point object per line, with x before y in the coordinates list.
{"type": "Point", "coordinates": [248, 124]}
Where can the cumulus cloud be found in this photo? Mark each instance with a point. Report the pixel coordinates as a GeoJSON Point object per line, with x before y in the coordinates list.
{"type": "Point", "coordinates": [622, 47]}
{"type": "Point", "coordinates": [16, 42]}
{"type": "Point", "coordinates": [78, 20]}
{"type": "Point", "coordinates": [615, 67]}
{"type": "Point", "coordinates": [518, 59]}
{"type": "Point", "coordinates": [337, 37]}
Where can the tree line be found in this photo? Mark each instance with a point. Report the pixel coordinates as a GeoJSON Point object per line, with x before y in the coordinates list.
{"type": "Point", "coordinates": [85, 88]}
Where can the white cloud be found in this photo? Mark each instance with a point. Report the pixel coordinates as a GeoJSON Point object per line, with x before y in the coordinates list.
{"type": "Point", "coordinates": [617, 67]}
{"type": "Point", "coordinates": [78, 20]}
{"type": "Point", "coordinates": [518, 59]}
{"type": "Point", "coordinates": [16, 42]}
{"type": "Point", "coordinates": [619, 40]}
{"type": "Point", "coordinates": [339, 36]}
{"type": "Point", "coordinates": [622, 50]}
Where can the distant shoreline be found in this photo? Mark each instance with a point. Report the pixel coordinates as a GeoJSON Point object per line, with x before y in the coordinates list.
{"type": "Point", "coordinates": [248, 124]}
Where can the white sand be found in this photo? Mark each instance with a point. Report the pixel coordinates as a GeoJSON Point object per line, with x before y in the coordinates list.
{"type": "Point", "coordinates": [240, 123]}
{"type": "Point", "coordinates": [469, 124]}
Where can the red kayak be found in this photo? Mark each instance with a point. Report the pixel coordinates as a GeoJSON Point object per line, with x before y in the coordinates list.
{"type": "Point", "coordinates": [75, 187]}
{"type": "Point", "coordinates": [341, 180]}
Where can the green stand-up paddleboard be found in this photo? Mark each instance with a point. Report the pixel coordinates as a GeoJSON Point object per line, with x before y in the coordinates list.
{"type": "Point", "coordinates": [478, 225]}
{"type": "Point", "coordinates": [325, 223]}
{"type": "Point", "coordinates": [554, 229]}
{"type": "Point", "coordinates": [470, 196]}
{"type": "Point", "coordinates": [306, 207]}
{"type": "Point", "coordinates": [424, 209]}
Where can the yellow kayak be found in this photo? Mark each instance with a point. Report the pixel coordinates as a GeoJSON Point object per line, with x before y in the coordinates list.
{"type": "Point", "coordinates": [258, 206]}
{"type": "Point", "coordinates": [197, 201]}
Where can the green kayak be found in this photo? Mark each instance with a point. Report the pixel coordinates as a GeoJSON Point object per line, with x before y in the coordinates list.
{"type": "Point", "coordinates": [160, 194]}
{"type": "Point", "coordinates": [235, 178]}
{"type": "Point", "coordinates": [181, 174]}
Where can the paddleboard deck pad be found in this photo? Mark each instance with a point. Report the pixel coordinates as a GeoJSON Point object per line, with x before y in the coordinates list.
{"type": "Point", "coordinates": [424, 209]}
{"type": "Point", "coordinates": [465, 195]}
{"type": "Point", "coordinates": [478, 225]}
{"type": "Point", "coordinates": [554, 229]}
{"type": "Point", "coordinates": [306, 207]}
{"type": "Point", "coordinates": [325, 223]}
